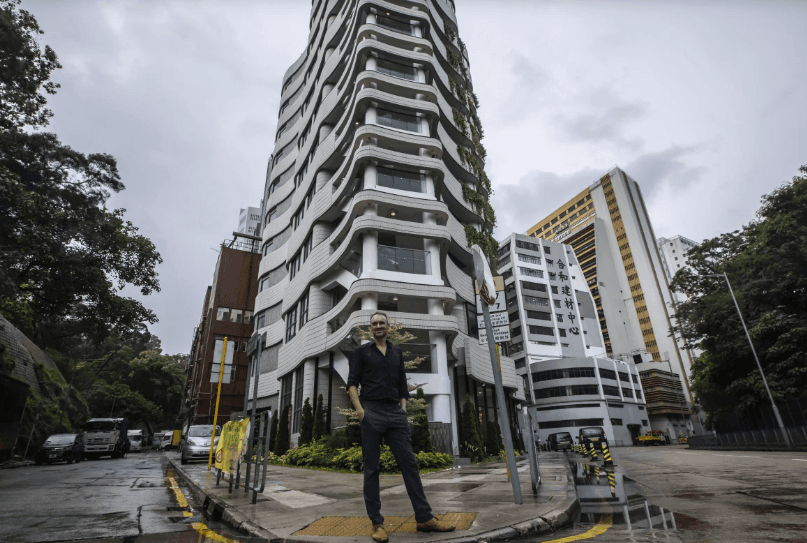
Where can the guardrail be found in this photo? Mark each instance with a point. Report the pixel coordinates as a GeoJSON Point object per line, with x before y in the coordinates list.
{"type": "Point", "coordinates": [766, 439]}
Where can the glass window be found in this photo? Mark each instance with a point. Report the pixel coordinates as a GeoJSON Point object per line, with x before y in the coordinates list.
{"type": "Point", "coordinates": [261, 321]}
{"type": "Point", "coordinates": [395, 69]}
{"type": "Point", "coordinates": [248, 317]}
{"type": "Point", "coordinates": [542, 330]}
{"type": "Point", "coordinates": [607, 374]}
{"type": "Point", "coordinates": [528, 285]}
{"type": "Point", "coordinates": [222, 313]}
{"type": "Point", "coordinates": [304, 310]}
{"type": "Point", "coordinates": [298, 399]}
{"type": "Point", "coordinates": [394, 24]}
{"type": "Point", "coordinates": [291, 324]}
{"type": "Point", "coordinates": [401, 121]}
{"type": "Point", "coordinates": [401, 180]}
{"type": "Point", "coordinates": [547, 250]}
{"type": "Point", "coordinates": [530, 272]}
{"type": "Point", "coordinates": [235, 315]}
{"type": "Point", "coordinates": [529, 259]}
{"type": "Point", "coordinates": [611, 391]}
{"type": "Point", "coordinates": [540, 315]}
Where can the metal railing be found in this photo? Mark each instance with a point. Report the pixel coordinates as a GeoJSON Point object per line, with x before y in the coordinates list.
{"type": "Point", "coordinates": [768, 438]}
{"type": "Point", "coordinates": [239, 245]}
{"type": "Point", "coordinates": [404, 260]}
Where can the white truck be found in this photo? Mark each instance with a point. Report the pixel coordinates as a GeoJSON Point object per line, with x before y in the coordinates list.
{"type": "Point", "coordinates": [136, 440]}
{"type": "Point", "coordinates": [106, 437]}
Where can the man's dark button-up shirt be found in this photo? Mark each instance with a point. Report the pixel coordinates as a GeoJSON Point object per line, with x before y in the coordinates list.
{"type": "Point", "coordinates": [382, 376]}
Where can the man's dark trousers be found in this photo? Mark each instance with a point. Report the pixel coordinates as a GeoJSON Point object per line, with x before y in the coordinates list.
{"type": "Point", "coordinates": [389, 419]}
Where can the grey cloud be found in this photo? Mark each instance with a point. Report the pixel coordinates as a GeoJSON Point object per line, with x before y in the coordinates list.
{"type": "Point", "coordinates": [537, 193]}
{"type": "Point", "coordinates": [664, 168]}
{"type": "Point", "coordinates": [530, 78]}
{"type": "Point", "coordinates": [607, 118]}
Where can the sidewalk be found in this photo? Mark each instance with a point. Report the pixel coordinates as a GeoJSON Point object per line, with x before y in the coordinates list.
{"type": "Point", "coordinates": [328, 507]}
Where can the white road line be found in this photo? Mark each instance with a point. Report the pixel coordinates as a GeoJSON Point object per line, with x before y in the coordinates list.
{"type": "Point", "coordinates": [800, 459]}
{"type": "Point", "coordinates": [737, 456]}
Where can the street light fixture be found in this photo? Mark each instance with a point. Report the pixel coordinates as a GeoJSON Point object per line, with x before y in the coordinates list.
{"type": "Point", "coordinates": [762, 373]}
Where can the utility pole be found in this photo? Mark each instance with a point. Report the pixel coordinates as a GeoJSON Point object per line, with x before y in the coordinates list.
{"type": "Point", "coordinates": [762, 373]}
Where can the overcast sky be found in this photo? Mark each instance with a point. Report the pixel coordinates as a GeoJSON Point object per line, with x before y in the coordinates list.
{"type": "Point", "coordinates": [703, 103]}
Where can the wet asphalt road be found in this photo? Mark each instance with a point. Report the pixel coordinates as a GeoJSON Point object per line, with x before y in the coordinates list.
{"type": "Point", "coordinates": [105, 498]}
{"type": "Point", "coordinates": [716, 496]}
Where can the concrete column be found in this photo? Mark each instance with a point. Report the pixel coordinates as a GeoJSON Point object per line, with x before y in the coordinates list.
{"type": "Point", "coordinates": [417, 30]}
{"type": "Point", "coordinates": [370, 176]}
{"type": "Point", "coordinates": [424, 126]}
{"type": "Point", "coordinates": [324, 130]}
{"type": "Point", "coordinates": [433, 247]}
{"type": "Point", "coordinates": [429, 184]}
{"type": "Point", "coordinates": [309, 367]}
{"type": "Point", "coordinates": [371, 63]}
{"type": "Point", "coordinates": [370, 301]}
{"type": "Point", "coordinates": [441, 403]}
{"type": "Point", "coordinates": [370, 115]}
{"type": "Point", "coordinates": [320, 232]}
{"type": "Point", "coordinates": [369, 252]}
{"type": "Point", "coordinates": [331, 19]}
{"type": "Point", "coordinates": [326, 89]}
{"type": "Point", "coordinates": [421, 75]}
{"type": "Point", "coordinates": [328, 52]}
{"type": "Point", "coordinates": [323, 176]}
{"type": "Point", "coordinates": [371, 18]}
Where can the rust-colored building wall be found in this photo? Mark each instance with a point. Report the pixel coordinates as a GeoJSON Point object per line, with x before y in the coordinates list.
{"type": "Point", "coordinates": [235, 286]}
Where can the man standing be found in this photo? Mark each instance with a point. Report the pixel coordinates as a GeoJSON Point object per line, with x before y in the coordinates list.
{"type": "Point", "coordinates": [379, 368]}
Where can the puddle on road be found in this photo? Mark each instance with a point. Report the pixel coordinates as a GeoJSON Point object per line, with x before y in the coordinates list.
{"type": "Point", "coordinates": [613, 508]}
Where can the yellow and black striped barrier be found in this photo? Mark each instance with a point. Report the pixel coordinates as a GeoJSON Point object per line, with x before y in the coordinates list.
{"type": "Point", "coordinates": [606, 456]}
{"type": "Point", "coordinates": [612, 482]}
{"type": "Point", "coordinates": [592, 451]}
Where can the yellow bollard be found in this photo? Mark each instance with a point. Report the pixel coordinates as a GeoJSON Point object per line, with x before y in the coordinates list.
{"type": "Point", "coordinates": [606, 456]}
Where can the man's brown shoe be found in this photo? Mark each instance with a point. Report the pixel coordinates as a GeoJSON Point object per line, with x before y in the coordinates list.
{"type": "Point", "coordinates": [380, 534]}
{"type": "Point", "coordinates": [435, 525]}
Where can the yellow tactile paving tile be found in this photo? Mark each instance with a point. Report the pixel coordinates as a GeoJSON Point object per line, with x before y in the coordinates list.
{"type": "Point", "coordinates": [361, 526]}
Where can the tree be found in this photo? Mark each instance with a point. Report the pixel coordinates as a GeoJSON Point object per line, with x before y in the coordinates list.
{"type": "Point", "coordinates": [273, 432]}
{"type": "Point", "coordinates": [319, 420]}
{"type": "Point", "coordinates": [472, 445]}
{"type": "Point", "coordinates": [24, 70]}
{"type": "Point", "coordinates": [283, 441]}
{"type": "Point", "coordinates": [492, 439]}
{"type": "Point", "coordinates": [65, 255]}
{"type": "Point", "coordinates": [421, 441]}
{"type": "Point", "coordinates": [766, 262]}
{"type": "Point", "coordinates": [306, 424]}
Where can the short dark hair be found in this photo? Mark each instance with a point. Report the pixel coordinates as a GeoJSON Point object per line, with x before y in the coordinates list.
{"type": "Point", "coordinates": [379, 313]}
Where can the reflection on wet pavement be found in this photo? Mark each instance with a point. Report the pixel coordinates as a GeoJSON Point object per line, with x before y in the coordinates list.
{"type": "Point", "coordinates": [613, 508]}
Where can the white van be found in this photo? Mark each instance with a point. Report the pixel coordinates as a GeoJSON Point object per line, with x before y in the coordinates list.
{"type": "Point", "coordinates": [135, 440]}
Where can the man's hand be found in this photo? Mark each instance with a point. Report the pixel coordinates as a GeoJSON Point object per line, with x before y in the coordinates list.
{"type": "Point", "coordinates": [360, 413]}
{"type": "Point", "coordinates": [403, 404]}
{"type": "Point", "coordinates": [353, 392]}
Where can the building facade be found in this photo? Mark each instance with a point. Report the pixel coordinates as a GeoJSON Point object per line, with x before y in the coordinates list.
{"type": "Point", "coordinates": [228, 311]}
{"type": "Point", "coordinates": [373, 193]}
{"type": "Point", "coordinates": [574, 393]}
{"type": "Point", "coordinates": [673, 253]}
{"type": "Point", "coordinates": [608, 226]}
{"type": "Point", "coordinates": [558, 348]}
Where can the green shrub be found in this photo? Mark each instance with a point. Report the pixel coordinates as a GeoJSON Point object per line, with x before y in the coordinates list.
{"type": "Point", "coordinates": [283, 441]}
{"type": "Point", "coordinates": [320, 456]}
{"type": "Point", "coordinates": [306, 424]}
{"type": "Point", "coordinates": [319, 421]}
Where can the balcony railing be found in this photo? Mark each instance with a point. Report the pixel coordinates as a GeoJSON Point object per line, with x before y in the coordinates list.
{"type": "Point", "coordinates": [395, 26]}
{"type": "Point", "coordinates": [240, 245]}
{"type": "Point", "coordinates": [402, 260]}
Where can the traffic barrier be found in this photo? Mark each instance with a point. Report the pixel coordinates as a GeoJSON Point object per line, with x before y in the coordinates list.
{"type": "Point", "coordinates": [606, 456]}
{"type": "Point", "coordinates": [612, 482]}
{"type": "Point", "coordinates": [592, 451]}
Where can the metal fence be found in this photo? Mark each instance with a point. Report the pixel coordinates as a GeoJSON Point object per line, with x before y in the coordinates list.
{"type": "Point", "coordinates": [768, 438]}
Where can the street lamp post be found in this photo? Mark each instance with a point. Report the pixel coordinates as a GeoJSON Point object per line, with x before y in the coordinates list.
{"type": "Point", "coordinates": [762, 373]}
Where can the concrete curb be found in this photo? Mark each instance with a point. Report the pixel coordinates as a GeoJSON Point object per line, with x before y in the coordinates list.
{"type": "Point", "coordinates": [555, 520]}
{"type": "Point", "coordinates": [15, 465]}
{"type": "Point", "coordinates": [230, 515]}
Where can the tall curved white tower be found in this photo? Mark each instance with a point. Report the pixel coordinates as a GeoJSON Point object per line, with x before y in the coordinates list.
{"type": "Point", "coordinates": [374, 193]}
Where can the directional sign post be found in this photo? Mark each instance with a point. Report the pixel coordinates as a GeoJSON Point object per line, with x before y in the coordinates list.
{"type": "Point", "coordinates": [487, 291]}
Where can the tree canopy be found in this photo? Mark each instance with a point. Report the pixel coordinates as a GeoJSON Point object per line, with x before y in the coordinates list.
{"type": "Point", "coordinates": [766, 262]}
{"type": "Point", "coordinates": [65, 256]}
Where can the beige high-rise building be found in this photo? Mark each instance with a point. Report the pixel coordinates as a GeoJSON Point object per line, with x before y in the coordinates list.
{"type": "Point", "coordinates": [610, 231]}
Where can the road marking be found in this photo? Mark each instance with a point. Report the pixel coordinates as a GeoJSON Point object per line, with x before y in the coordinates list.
{"type": "Point", "coordinates": [605, 522]}
{"type": "Point", "coordinates": [200, 527]}
{"type": "Point", "coordinates": [800, 459]}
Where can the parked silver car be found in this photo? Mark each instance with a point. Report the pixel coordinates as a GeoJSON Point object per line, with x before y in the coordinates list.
{"type": "Point", "coordinates": [196, 444]}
